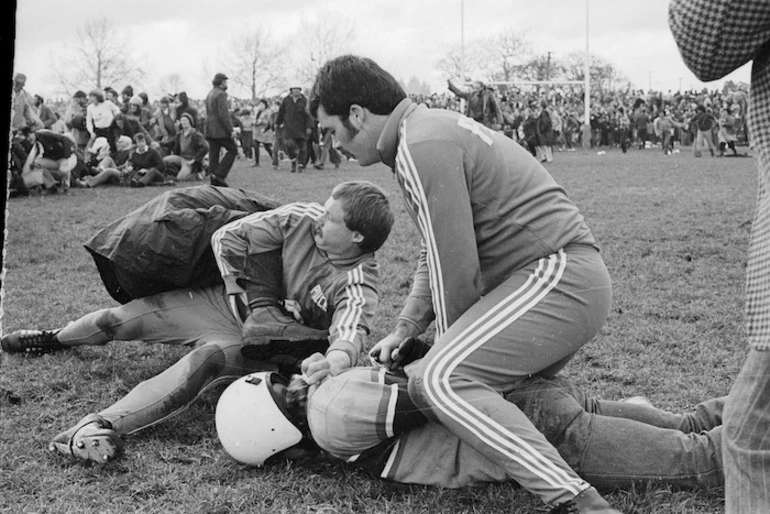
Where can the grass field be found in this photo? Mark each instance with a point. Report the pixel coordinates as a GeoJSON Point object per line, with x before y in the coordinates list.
{"type": "Point", "coordinates": [673, 232]}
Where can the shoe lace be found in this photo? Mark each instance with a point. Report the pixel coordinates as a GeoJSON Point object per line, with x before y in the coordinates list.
{"type": "Point", "coordinates": [40, 343]}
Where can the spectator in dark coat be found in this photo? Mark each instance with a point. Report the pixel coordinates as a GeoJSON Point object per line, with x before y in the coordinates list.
{"type": "Point", "coordinates": [219, 131]}
{"type": "Point", "coordinates": [297, 124]}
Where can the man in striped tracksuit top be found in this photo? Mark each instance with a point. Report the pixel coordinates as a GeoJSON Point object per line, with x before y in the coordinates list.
{"type": "Point", "coordinates": [321, 260]}
{"type": "Point", "coordinates": [509, 272]}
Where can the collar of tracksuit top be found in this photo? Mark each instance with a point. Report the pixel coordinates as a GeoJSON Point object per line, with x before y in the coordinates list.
{"type": "Point", "coordinates": [387, 144]}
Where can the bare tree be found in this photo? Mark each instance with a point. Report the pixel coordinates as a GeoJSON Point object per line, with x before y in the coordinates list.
{"type": "Point", "coordinates": [471, 61]}
{"type": "Point", "coordinates": [604, 74]}
{"type": "Point", "coordinates": [254, 64]}
{"type": "Point", "coordinates": [171, 83]}
{"type": "Point", "coordinates": [102, 57]}
{"type": "Point", "coordinates": [328, 35]}
{"type": "Point", "coordinates": [505, 54]}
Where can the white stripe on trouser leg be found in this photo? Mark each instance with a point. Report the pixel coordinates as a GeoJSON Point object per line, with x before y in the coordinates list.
{"type": "Point", "coordinates": [490, 432]}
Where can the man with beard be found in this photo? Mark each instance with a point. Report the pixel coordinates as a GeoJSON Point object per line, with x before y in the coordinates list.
{"type": "Point", "coordinates": [219, 131]}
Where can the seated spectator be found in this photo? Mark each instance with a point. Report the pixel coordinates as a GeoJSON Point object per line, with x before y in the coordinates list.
{"type": "Point", "coordinates": [112, 169]}
{"type": "Point", "coordinates": [145, 164]}
{"type": "Point", "coordinates": [130, 121]}
{"type": "Point", "coordinates": [190, 149]}
{"type": "Point", "coordinates": [50, 160]}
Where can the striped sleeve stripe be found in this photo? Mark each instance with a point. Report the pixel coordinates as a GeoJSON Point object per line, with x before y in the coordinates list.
{"type": "Point", "coordinates": [390, 415]}
{"type": "Point", "coordinates": [412, 184]}
{"type": "Point", "coordinates": [298, 209]}
{"type": "Point", "coordinates": [438, 371]}
{"type": "Point", "coordinates": [347, 325]}
{"type": "Point", "coordinates": [392, 458]}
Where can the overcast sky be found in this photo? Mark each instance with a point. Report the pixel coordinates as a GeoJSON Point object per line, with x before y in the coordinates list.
{"type": "Point", "coordinates": [406, 37]}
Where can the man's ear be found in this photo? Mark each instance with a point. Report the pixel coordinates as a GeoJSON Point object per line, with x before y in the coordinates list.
{"type": "Point", "coordinates": [357, 116]}
{"type": "Point", "coordinates": [357, 238]}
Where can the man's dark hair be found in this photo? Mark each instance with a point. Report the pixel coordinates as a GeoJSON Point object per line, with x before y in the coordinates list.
{"type": "Point", "coordinates": [349, 79]}
{"type": "Point", "coordinates": [367, 211]}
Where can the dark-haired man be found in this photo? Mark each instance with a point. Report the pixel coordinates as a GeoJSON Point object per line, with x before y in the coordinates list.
{"type": "Point", "coordinates": [509, 271]}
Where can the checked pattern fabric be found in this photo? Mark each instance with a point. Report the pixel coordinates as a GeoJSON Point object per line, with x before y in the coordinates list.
{"type": "Point", "coordinates": [715, 37]}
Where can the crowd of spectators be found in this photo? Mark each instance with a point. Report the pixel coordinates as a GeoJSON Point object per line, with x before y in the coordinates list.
{"type": "Point", "coordinates": [127, 139]}
{"type": "Point", "coordinates": [618, 118]}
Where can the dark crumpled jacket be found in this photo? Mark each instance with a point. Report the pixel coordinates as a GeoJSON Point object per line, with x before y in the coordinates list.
{"type": "Point", "coordinates": [166, 243]}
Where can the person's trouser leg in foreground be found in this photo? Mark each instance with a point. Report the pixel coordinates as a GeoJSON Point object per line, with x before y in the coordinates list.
{"type": "Point", "coordinates": [746, 438]}
{"type": "Point", "coordinates": [612, 444]}
{"type": "Point", "coordinates": [530, 324]}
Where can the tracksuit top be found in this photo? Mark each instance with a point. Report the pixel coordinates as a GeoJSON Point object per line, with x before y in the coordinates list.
{"type": "Point", "coordinates": [364, 416]}
{"type": "Point", "coordinates": [339, 295]}
{"type": "Point", "coordinates": [483, 205]}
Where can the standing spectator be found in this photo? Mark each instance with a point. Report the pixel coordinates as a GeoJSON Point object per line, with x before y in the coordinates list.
{"type": "Point", "coordinates": [100, 118]}
{"type": "Point", "coordinates": [189, 150]}
{"type": "Point", "coordinates": [509, 272]}
{"type": "Point", "coordinates": [544, 129]}
{"type": "Point", "coordinates": [164, 125]}
{"type": "Point", "coordinates": [664, 129]}
{"type": "Point", "coordinates": [727, 133]}
{"type": "Point", "coordinates": [642, 121]}
{"type": "Point", "coordinates": [715, 37]}
{"type": "Point", "coordinates": [182, 105]}
{"type": "Point", "coordinates": [44, 113]}
{"type": "Point", "coordinates": [529, 132]}
{"type": "Point", "coordinates": [75, 119]}
{"type": "Point", "coordinates": [220, 132]}
{"type": "Point", "coordinates": [571, 128]}
{"type": "Point", "coordinates": [558, 126]}
{"type": "Point", "coordinates": [296, 124]}
{"type": "Point", "coordinates": [704, 123]}
{"type": "Point", "coordinates": [263, 130]}
{"type": "Point", "coordinates": [482, 104]}
{"type": "Point", "coordinates": [21, 106]}
{"type": "Point", "coordinates": [328, 150]}
{"type": "Point", "coordinates": [279, 150]}
{"type": "Point", "coordinates": [247, 132]}
{"type": "Point", "coordinates": [624, 126]}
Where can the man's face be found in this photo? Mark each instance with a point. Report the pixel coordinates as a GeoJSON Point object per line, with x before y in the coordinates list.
{"type": "Point", "coordinates": [141, 145]}
{"type": "Point", "coordinates": [357, 140]}
{"type": "Point", "coordinates": [223, 85]}
{"type": "Point", "coordinates": [332, 235]}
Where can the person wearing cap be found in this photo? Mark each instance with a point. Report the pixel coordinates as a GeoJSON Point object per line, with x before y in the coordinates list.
{"type": "Point", "coordinates": [100, 118]}
{"type": "Point", "coordinates": [21, 106]}
{"type": "Point", "coordinates": [190, 148]}
{"type": "Point", "coordinates": [219, 131]}
{"type": "Point", "coordinates": [297, 125]}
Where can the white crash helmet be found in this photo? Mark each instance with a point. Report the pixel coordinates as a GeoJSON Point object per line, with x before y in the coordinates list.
{"type": "Point", "coordinates": [251, 419]}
